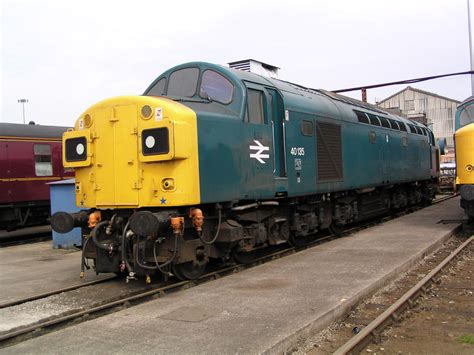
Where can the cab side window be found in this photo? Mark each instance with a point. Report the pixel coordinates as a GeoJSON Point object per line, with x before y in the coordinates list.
{"type": "Point", "coordinates": [255, 106]}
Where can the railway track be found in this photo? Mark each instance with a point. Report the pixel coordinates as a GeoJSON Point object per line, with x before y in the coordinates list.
{"type": "Point", "coordinates": [393, 313]}
{"type": "Point", "coordinates": [150, 292]}
{"type": "Point", "coordinates": [55, 292]}
{"type": "Point", "coordinates": [25, 236]}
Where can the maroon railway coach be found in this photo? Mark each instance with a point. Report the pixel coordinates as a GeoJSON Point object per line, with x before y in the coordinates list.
{"type": "Point", "coordinates": [30, 157]}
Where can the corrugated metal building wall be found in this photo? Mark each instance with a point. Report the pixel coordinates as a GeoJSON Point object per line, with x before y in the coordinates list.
{"type": "Point", "coordinates": [439, 110]}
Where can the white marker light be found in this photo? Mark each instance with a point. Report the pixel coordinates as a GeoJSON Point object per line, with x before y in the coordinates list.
{"type": "Point", "coordinates": [150, 142]}
{"type": "Point", "coordinates": [80, 149]}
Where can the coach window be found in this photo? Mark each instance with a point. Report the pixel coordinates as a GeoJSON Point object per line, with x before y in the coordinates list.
{"type": "Point", "coordinates": [43, 164]}
{"type": "Point", "coordinates": [255, 106]}
{"type": "Point", "coordinates": [183, 82]}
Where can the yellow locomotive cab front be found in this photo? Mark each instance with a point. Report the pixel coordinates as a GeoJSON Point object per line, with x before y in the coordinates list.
{"type": "Point", "coordinates": [465, 155]}
{"type": "Point", "coordinates": [134, 151]}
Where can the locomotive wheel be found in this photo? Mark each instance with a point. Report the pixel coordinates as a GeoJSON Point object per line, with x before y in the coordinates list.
{"type": "Point", "coordinates": [336, 230]}
{"type": "Point", "coordinates": [299, 241]}
{"type": "Point", "coordinates": [243, 257]}
{"type": "Point", "coordinates": [189, 270]}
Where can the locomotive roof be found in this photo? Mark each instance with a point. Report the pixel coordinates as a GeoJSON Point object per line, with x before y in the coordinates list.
{"type": "Point", "coordinates": [27, 130]}
{"type": "Point", "coordinates": [297, 97]}
{"type": "Point", "coordinates": [316, 95]}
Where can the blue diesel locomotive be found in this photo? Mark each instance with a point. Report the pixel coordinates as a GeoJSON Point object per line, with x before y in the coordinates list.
{"type": "Point", "coordinates": [216, 163]}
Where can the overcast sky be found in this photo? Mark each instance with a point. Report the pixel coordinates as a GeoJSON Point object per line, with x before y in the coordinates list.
{"type": "Point", "coordinates": [63, 56]}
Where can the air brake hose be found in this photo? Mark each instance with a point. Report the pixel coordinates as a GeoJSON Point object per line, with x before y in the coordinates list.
{"type": "Point", "coordinates": [217, 233]}
{"type": "Point", "coordinates": [136, 259]}
{"type": "Point", "coordinates": [166, 263]}
{"type": "Point", "coordinates": [94, 236]}
{"type": "Point", "coordinates": [83, 258]}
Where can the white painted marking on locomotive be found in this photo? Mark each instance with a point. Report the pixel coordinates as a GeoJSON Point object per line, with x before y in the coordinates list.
{"type": "Point", "coordinates": [259, 148]}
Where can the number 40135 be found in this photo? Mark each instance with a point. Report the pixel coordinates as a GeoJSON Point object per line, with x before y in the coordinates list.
{"type": "Point", "coordinates": [297, 151]}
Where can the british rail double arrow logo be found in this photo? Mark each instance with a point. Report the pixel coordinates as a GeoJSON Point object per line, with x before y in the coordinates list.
{"type": "Point", "coordinates": [259, 149]}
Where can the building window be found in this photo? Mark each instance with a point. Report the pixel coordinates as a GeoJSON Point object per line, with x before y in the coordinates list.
{"type": "Point", "coordinates": [409, 105]}
{"type": "Point", "coordinates": [43, 164]}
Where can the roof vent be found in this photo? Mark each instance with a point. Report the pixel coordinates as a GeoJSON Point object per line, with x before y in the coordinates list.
{"type": "Point", "coordinates": [254, 66]}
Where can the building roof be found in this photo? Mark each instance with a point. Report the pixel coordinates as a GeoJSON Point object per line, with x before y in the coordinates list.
{"type": "Point", "coordinates": [420, 91]}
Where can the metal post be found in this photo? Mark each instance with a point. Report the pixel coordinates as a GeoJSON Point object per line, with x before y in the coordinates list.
{"type": "Point", "coordinates": [23, 102]}
{"type": "Point", "coordinates": [364, 94]}
{"type": "Point", "coordinates": [470, 45]}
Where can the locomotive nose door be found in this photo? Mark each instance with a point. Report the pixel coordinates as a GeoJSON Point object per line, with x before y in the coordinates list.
{"type": "Point", "coordinates": [117, 158]}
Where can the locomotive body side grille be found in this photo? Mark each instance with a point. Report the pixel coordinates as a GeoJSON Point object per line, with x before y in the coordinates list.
{"type": "Point", "coordinates": [329, 151]}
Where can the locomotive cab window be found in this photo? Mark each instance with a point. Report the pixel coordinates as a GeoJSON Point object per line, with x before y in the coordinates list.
{"type": "Point", "coordinates": [183, 82]}
{"type": "Point", "coordinates": [216, 87]}
{"type": "Point", "coordinates": [158, 89]}
{"type": "Point", "coordinates": [43, 162]}
{"type": "Point", "coordinates": [467, 115]}
{"type": "Point", "coordinates": [255, 106]}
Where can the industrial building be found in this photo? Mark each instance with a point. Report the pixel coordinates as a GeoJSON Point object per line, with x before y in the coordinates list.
{"type": "Point", "coordinates": [434, 110]}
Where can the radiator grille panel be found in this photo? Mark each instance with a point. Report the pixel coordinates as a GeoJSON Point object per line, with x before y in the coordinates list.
{"type": "Point", "coordinates": [329, 151]}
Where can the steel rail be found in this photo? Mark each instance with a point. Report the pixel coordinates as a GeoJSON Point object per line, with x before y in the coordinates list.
{"type": "Point", "coordinates": [55, 292]}
{"type": "Point", "coordinates": [355, 344]}
{"type": "Point", "coordinates": [160, 291]}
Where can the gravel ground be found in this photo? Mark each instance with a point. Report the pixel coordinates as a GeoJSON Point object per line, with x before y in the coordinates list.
{"type": "Point", "coordinates": [442, 322]}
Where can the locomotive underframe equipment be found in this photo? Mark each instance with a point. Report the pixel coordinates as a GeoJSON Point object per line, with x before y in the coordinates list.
{"type": "Point", "coordinates": [183, 241]}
